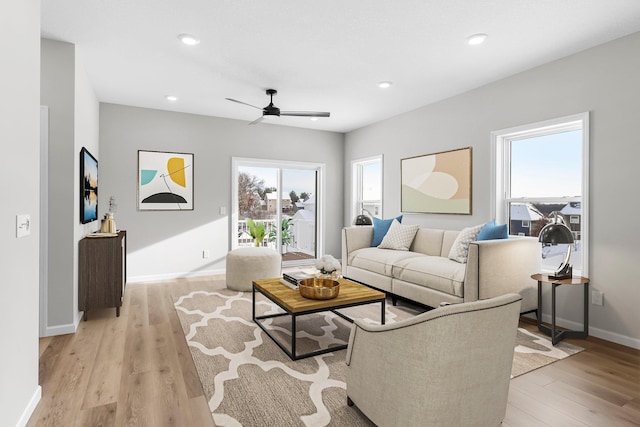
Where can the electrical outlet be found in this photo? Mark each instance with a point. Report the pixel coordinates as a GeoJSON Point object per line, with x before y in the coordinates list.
{"type": "Point", "coordinates": [223, 210]}
{"type": "Point", "coordinates": [597, 297]}
{"type": "Point", "coordinates": [205, 253]}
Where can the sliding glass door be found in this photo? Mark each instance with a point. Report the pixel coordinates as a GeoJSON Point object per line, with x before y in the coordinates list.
{"type": "Point", "coordinates": [283, 198]}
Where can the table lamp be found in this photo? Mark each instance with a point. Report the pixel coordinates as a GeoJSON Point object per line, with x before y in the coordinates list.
{"type": "Point", "coordinates": [363, 219]}
{"type": "Point", "coordinates": [557, 233]}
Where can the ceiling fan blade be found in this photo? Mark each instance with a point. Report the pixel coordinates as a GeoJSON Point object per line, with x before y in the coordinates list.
{"type": "Point", "coordinates": [244, 103]}
{"type": "Point", "coordinates": [305, 113]}
{"type": "Point", "coordinates": [256, 121]}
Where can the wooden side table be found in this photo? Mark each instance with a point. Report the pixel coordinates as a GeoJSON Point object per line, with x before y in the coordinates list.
{"type": "Point", "coordinates": [556, 335]}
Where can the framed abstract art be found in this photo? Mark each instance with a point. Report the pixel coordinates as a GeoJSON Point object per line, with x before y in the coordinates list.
{"type": "Point", "coordinates": [165, 181]}
{"type": "Point", "coordinates": [437, 183]}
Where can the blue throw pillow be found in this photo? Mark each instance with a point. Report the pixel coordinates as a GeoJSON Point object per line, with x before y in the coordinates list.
{"type": "Point", "coordinates": [380, 228]}
{"type": "Point", "coordinates": [492, 231]}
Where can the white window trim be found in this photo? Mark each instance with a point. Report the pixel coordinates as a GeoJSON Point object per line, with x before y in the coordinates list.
{"type": "Point", "coordinates": [236, 162]}
{"type": "Point", "coordinates": [500, 154]}
{"type": "Point", "coordinates": [356, 184]}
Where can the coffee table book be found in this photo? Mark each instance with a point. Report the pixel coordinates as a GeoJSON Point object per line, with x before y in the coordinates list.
{"type": "Point", "coordinates": [292, 279]}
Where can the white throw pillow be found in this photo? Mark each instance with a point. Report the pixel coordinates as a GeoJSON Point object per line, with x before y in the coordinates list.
{"type": "Point", "coordinates": [460, 248]}
{"type": "Point", "coordinates": [399, 236]}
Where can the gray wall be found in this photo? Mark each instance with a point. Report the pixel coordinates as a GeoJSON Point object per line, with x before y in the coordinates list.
{"type": "Point", "coordinates": [165, 244]}
{"type": "Point", "coordinates": [19, 174]}
{"type": "Point", "coordinates": [73, 123]}
{"type": "Point", "coordinates": [602, 80]}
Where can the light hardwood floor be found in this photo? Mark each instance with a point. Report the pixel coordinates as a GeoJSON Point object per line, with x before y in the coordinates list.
{"type": "Point", "coordinates": [136, 370]}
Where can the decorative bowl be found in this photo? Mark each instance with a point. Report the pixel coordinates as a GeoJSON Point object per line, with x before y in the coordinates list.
{"type": "Point", "coordinates": [319, 288]}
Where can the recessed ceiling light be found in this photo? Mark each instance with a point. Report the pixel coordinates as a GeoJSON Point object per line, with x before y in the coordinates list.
{"type": "Point", "coordinates": [314, 119]}
{"type": "Point", "coordinates": [171, 98]}
{"type": "Point", "coordinates": [188, 39]}
{"type": "Point", "coordinates": [384, 85]}
{"type": "Point", "coordinates": [476, 39]}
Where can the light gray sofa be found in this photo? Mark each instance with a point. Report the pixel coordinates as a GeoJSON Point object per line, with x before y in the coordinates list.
{"type": "Point", "coordinates": [426, 275]}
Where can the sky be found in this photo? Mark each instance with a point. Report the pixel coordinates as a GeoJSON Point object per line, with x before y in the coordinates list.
{"type": "Point", "coordinates": [371, 189]}
{"type": "Point", "coordinates": [298, 180]}
{"type": "Point", "coordinates": [547, 166]}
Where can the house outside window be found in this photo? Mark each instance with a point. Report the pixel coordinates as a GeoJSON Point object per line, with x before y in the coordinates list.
{"type": "Point", "coordinates": [366, 178]}
{"type": "Point", "coordinates": [540, 175]}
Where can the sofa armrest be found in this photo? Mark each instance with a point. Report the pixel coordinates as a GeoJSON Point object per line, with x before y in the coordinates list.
{"type": "Point", "coordinates": [353, 238]}
{"type": "Point", "coordinates": [497, 267]}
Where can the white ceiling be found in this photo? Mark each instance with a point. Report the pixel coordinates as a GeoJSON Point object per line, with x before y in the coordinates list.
{"type": "Point", "coordinates": [320, 55]}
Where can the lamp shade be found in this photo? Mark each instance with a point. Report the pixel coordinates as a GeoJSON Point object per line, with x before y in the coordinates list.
{"type": "Point", "coordinates": [555, 233]}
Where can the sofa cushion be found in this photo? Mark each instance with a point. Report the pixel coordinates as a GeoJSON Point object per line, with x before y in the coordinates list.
{"type": "Point", "coordinates": [399, 237]}
{"type": "Point", "coordinates": [493, 231]}
{"type": "Point", "coordinates": [433, 272]}
{"type": "Point", "coordinates": [380, 228]}
{"type": "Point", "coordinates": [378, 260]}
{"type": "Point", "coordinates": [428, 241]}
{"type": "Point", "coordinates": [460, 249]}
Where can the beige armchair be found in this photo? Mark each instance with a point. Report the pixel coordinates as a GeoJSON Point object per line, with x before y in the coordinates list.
{"type": "Point", "coordinates": [447, 367]}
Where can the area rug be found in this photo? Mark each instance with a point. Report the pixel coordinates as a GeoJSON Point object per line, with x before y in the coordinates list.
{"type": "Point", "coordinates": [249, 381]}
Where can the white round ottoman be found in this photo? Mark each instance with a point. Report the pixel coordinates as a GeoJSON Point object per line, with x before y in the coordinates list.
{"type": "Point", "coordinates": [247, 264]}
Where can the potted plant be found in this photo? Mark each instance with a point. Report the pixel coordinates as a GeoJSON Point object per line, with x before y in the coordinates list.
{"type": "Point", "coordinates": [257, 231]}
{"type": "Point", "coordinates": [287, 236]}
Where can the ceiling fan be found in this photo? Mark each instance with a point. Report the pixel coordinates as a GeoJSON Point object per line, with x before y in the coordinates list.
{"type": "Point", "coordinates": [272, 110]}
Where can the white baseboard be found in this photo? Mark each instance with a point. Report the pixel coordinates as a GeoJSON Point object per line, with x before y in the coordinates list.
{"type": "Point", "coordinates": [31, 406]}
{"type": "Point", "coordinates": [596, 332]}
{"type": "Point", "coordinates": [69, 328]}
{"type": "Point", "coordinates": [172, 276]}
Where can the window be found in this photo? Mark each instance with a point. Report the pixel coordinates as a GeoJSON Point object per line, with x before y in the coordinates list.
{"type": "Point", "coordinates": [287, 198]}
{"type": "Point", "coordinates": [541, 175]}
{"type": "Point", "coordinates": [366, 178]}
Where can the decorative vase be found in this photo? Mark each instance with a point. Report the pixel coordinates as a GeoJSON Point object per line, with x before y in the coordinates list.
{"type": "Point", "coordinates": [327, 275]}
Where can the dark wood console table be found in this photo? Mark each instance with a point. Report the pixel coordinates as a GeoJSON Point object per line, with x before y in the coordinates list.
{"type": "Point", "coordinates": [102, 271]}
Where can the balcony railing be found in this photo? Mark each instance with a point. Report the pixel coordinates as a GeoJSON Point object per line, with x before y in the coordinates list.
{"type": "Point", "coordinates": [302, 236]}
{"type": "Point", "coordinates": [244, 236]}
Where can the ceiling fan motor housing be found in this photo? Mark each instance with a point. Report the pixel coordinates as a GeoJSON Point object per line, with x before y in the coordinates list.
{"type": "Point", "coordinates": [271, 110]}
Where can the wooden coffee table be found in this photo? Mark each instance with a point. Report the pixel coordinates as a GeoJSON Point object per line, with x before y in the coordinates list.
{"type": "Point", "coordinates": [351, 294]}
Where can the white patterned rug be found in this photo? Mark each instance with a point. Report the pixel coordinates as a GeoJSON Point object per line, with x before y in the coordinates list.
{"type": "Point", "coordinates": [249, 381]}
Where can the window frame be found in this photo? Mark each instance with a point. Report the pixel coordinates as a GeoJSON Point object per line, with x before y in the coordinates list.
{"type": "Point", "coordinates": [500, 171]}
{"type": "Point", "coordinates": [320, 168]}
{"type": "Point", "coordinates": [357, 185]}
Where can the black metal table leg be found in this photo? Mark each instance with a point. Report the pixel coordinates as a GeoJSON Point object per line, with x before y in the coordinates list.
{"type": "Point", "coordinates": [253, 306]}
{"type": "Point", "coordinates": [293, 337]}
{"type": "Point", "coordinates": [554, 333]}
{"type": "Point", "coordinates": [586, 310]}
{"type": "Point", "coordinates": [539, 313]}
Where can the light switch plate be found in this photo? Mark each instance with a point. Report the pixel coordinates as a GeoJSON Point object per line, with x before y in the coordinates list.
{"type": "Point", "coordinates": [23, 225]}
